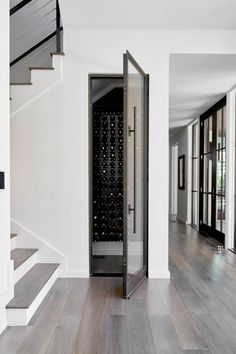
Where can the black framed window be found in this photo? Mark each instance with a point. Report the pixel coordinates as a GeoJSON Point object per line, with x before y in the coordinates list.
{"type": "Point", "coordinates": [213, 171]}
{"type": "Point", "coordinates": [194, 189]}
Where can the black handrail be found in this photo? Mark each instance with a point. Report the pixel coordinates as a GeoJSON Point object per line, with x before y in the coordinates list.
{"type": "Point", "coordinates": [57, 33]}
{"type": "Point", "coordinates": [19, 6]}
{"type": "Point", "coordinates": [58, 26]}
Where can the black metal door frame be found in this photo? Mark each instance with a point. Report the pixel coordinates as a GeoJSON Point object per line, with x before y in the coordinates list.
{"type": "Point", "coordinates": [204, 229]}
{"type": "Point", "coordinates": [130, 285]}
{"type": "Point", "coordinates": [90, 163]}
{"type": "Point", "coordinates": [90, 166]}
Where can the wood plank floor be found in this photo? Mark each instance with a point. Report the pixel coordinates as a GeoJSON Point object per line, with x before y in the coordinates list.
{"type": "Point", "coordinates": [194, 312]}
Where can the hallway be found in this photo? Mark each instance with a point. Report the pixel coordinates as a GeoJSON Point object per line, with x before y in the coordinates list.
{"type": "Point", "coordinates": [194, 313]}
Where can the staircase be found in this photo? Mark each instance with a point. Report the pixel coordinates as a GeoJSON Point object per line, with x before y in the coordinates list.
{"type": "Point", "coordinates": [35, 50]}
{"type": "Point", "coordinates": [41, 79]}
{"type": "Point", "coordinates": [36, 57]}
{"type": "Point", "coordinates": [32, 282]}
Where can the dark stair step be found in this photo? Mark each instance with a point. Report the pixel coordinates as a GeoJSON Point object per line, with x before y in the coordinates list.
{"type": "Point", "coordinates": [41, 68]}
{"type": "Point", "coordinates": [20, 255]}
{"type": "Point", "coordinates": [28, 287]}
{"type": "Point", "coordinates": [20, 83]}
{"type": "Point", "coordinates": [57, 53]}
{"type": "Point", "coordinates": [13, 235]}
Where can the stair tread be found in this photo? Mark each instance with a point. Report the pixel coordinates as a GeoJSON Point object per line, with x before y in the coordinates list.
{"type": "Point", "coordinates": [41, 68]}
{"type": "Point", "coordinates": [57, 53]}
{"type": "Point", "coordinates": [20, 255]}
{"type": "Point", "coordinates": [13, 235]}
{"type": "Point", "coordinates": [28, 287]}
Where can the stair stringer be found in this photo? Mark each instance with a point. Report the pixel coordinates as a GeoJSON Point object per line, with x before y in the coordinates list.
{"type": "Point", "coordinates": [42, 81]}
{"type": "Point", "coordinates": [46, 252]}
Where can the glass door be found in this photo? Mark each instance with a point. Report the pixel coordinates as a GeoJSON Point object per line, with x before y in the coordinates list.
{"type": "Point", "coordinates": [212, 171]}
{"type": "Point", "coordinates": [135, 174]}
{"type": "Point", "coordinates": [195, 174]}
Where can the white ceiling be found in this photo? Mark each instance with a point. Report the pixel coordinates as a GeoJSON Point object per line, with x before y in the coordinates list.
{"type": "Point", "coordinates": [196, 83]}
{"type": "Point", "coordinates": [149, 14]}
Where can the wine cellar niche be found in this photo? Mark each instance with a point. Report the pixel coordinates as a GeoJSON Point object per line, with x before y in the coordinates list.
{"type": "Point", "coordinates": [106, 107]}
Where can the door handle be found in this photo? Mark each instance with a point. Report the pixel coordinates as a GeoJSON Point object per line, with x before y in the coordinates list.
{"type": "Point", "coordinates": [130, 209]}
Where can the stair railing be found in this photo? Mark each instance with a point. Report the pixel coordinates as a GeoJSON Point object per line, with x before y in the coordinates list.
{"type": "Point", "coordinates": [25, 16]}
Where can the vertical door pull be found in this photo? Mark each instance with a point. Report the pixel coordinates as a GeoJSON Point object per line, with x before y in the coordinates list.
{"type": "Point", "coordinates": [130, 209]}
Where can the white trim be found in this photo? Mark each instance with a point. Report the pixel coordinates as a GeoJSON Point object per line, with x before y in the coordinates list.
{"type": "Point", "coordinates": [182, 220]}
{"type": "Point", "coordinates": [159, 275]}
{"type": "Point", "coordinates": [36, 236]}
{"type": "Point", "coordinates": [190, 167]}
{"type": "Point", "coordinates": [230, 169]}
{"type": "Point", "coordinates": [46, 252]}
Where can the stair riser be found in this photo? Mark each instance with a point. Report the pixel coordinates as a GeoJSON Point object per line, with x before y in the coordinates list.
{"type": "Point", "coordinates": [21, 317]}
{"type": "Point", "coordinates": [24, 268]}
{"type": "Point", "coordinates": [13, 243]}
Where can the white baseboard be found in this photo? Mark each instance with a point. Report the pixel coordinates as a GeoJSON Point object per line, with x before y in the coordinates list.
{"type": "Point", "coordinates": [46, 252]}
{"type": "Point", "coordinates": [21, 317]}
{"type": "Point", "coordinates": [159, 275]}
{"type": "Point", "coordinates": [182, 220]}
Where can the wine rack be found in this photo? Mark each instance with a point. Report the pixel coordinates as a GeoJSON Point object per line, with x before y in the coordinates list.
{"type": "Point", "coordinates": [108, 167]}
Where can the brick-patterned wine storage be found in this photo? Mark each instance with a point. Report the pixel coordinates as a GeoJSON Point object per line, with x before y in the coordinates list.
{"type": "Point", "coordinates": [108, 167]}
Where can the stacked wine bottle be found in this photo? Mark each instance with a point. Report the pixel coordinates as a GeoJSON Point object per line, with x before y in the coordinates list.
{"type": "Point", "coordinates": [108, 167]}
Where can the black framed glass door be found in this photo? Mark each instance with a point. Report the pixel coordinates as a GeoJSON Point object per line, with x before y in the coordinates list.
{"type": "Point", "coordinates": [212, 171]}
{"type": "Point", "coordinates": [135, 174]}
{"type": "Point", "coordinates": [195, 175]}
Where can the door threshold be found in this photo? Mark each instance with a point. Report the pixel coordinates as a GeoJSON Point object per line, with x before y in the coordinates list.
{"type": "Point", "coordinates": [106, 275]}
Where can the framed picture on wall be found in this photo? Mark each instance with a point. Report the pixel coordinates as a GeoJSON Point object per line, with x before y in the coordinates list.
{"type": "Point", "coordinates": [181, 172]}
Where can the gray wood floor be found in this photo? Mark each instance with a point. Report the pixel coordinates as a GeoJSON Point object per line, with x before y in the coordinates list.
{"type": "Point", "coordinates": [195, 312]}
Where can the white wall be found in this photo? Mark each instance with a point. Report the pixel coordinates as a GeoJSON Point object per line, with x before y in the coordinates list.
{"type": "Point", "coordinates": [49, 161]}
{"type": "Point", "coordinates": [173, 189]}
{"type": "Point", "coordinates": [181, 140]}
{"type": "Point", "coordinates": [5, 264]}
